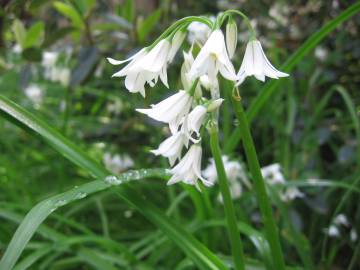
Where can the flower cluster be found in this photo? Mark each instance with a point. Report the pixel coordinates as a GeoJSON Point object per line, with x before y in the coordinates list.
{"type": "Point", "coordinates": [338, 223]}
{"type": "Point", "coordinates": [273, 175]}
{"type": "Point", "coordinates": [196, 105]}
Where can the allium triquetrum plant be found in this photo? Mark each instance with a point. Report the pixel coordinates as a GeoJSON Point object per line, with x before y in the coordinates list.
{"type": "Point", "coordinates": [192, 112]}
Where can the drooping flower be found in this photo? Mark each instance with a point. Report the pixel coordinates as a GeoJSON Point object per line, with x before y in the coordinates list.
{"type": "Point", "coordinates": [231, 37]}
{"type": "Point", "coordinates": [213, 58]}
{"type": "Point", "coordinates": [195, 119]}
{"type": "Point", "coordinates": [145, 67]}
{"type": "Point", "coordinates": [255, 63]}
{"type": "Point", "coordinates": [176, 42]}
{"type": "Point", "coordinates": [172, 147]}
{"type": "Point", "coordinates": [188, 170]}
{"type": "Point", "coordinates": [170, 110]}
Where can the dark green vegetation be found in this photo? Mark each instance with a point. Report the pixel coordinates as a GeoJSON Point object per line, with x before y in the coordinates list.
{"type": "Point", "coordinates": [53, 191]}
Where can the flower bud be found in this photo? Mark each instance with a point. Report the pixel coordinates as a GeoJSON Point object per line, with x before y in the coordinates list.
{"type": "Point", "coordinates": [231, 37]}
{"type": "Point", "coordinates": [215, 104]}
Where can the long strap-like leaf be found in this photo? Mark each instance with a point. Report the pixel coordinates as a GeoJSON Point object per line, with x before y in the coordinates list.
{"type": "Point", "coordinates": [203, 257]}
{"type": "Point", "coordinates": [267, 91]}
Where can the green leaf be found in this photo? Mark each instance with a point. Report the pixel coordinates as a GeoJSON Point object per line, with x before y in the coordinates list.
{"type": "Point", "coordinates": [32, 54]}
{"type": "Point", "coordinates": [52, 36]}
{"type": "Point", "coordinates": [204, 258]}
{"type": "Point", "coordinates": [19, 32]}
{"type": "Point", "coordinates": [128, 10]}
{"type": "Point", "coordinates": [266, 92]}
{"type": "Point", "coordinates": [70, 12]}
{"type": "Point", "coordinates": [146, 26]}
{"type": "Point", "coordinates": [34, 35]}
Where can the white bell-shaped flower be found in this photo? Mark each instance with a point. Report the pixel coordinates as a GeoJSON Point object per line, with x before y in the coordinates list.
{"type": "Point", "coordinates": [176, 42]}
{"type": "Point", "coordinates": [195, 119]}
{"type": "Point", "coordinates": [198, 32]}
{"type": "Point", "coordinates": [188, 170]}
{"type": "Point", "coordinates": [255, 63]}
{"type": "Point", "coordinates": [213, 58]}
{"type": "Point", "coordinates": [170, 110]}
{"type": "Point", "coordinates": [145, 67]}
{"type": "Point", "coordinates": [171, 148]}
{"type": "Point", "coordinates": [231, 37]}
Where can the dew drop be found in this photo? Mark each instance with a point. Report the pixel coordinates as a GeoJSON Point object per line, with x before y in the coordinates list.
{"type": "Point", "coordinates": [60, 203]}
{"type": "Point", "coordinates": [112, 180]}
{"type": "Point", "coordinates": [80, 195]}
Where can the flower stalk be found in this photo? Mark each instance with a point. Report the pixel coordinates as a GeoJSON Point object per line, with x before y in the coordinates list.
{"type": "Point", "coordinates": [234, 234]}
{"type": "Point", "coordinates": [271, 230]}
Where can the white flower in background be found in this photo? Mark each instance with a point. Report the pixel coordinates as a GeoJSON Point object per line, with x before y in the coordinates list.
{"type": "Point", "coordinates": [213, 58]}
{"type": "Point", "coordinates": [255, 63]}
{"type": "Point", "coordinates": [333, 231]}
{"type": "Point", "coordinates": [231, 37]}
{"type": "Point", "coordinates": [171, 148]}
{"type": "Point", "coordinates": [188, 170]}
{"type": "Point", "coordinates": [234, 172]}
{"type": "Point", "coordinates": [273, 174]}
{"type": "Point", "coordinates": [60, 74]}
{"type": "Point", "coordinates": [198, 32]}
{"type": "Point", "coordinates": [49, 59]}
{"type": "Point", "coordinates": [34, 93]}
{"type": "Point", "coordinates": [117, 163]}
{"type": "Point", "coordinates": [16, 48]}
{"type": "Point", "coordinates": [170, 110]}
{"type": "Point", "coordinates": [341, 220]}
{"type": "Point", "coordinates": [291, 193]}
{"type": "Point", "coordinates": [321, 53]}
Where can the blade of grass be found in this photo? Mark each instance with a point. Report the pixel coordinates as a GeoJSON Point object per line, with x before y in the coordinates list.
{"type": "Point", "coordinates": [295, 58]}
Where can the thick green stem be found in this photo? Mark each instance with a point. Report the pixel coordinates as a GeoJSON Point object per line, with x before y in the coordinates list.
{"type": "Point", "coordinates": [234, 234]}
{"type": "Point", "coordinates": [260, 189]}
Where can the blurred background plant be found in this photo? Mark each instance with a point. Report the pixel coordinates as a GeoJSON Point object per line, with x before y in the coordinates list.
{"type": "Point", "coordinates": [52, 63]}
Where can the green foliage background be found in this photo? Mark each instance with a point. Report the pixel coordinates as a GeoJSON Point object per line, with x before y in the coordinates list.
{"type": "Point", "coordinates": [308, 123]}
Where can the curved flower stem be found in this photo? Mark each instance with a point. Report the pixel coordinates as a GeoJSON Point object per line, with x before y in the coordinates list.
{"type": "Point", "coordinates": [234, 234]}
{"type": "Point", "coordinates": [271, 230]}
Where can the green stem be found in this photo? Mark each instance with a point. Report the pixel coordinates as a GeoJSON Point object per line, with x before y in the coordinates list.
{"type": "Point", "coordinates": [260, 189]}
{"type": "Point", "coordinates": [234, 234]}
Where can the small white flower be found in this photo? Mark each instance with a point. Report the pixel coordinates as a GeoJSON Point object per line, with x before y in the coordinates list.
{"type": "Point", "coordinates": [170, 110]}
{"type": "Point", "coordinates": [60, 74]}
{"type": "Point", "coordinates": [291, 193]}
{"type": "Point", "coordinates": [333, 231]}
{"type": "Point", "coordinates": [255, 63]}
{"type": "Point", "coordinates": [117, 163]}
{"type": "Point", "coordinates": [272, 173]}
{"type": "Point", "coordinates": [195, 119]}
{"type": "Point", "coordinates": [34, 93]}
{"type": "Point", "coordinates": [231, 37]}
{"type": "Point", "coordinates": [321, 53]}
{"type": "Point", "coordinates": [198, 32]}
{"type": "Point", "coordinates": [188, 170]}
{"type": "Point", "coordinates": [172, 147]}
{"type": "Point", "coordinates": [213, 58]}
{"type": "Point", "coordinates": [49, 59]}
{"type": "Point", "coordinates": [341, 219]}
